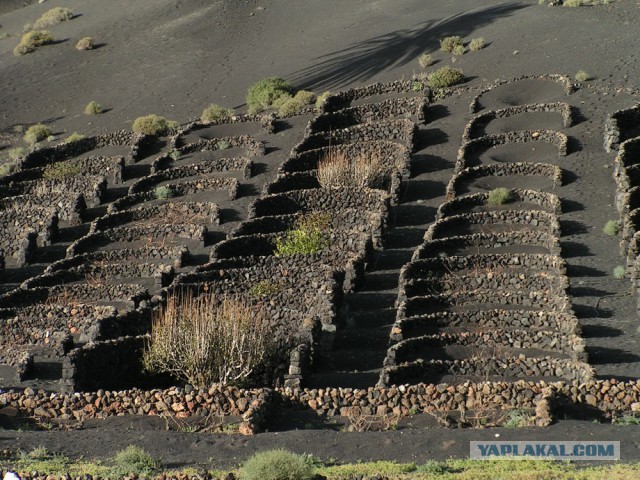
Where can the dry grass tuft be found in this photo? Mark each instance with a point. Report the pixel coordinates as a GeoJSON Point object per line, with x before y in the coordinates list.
{"type": "Point", "coordinates": [32, 40]}
{"type": "Point", "coordinates": [85, 43]}
{"type": "Point", "coordinates": [338, 170]}
{"type": "Point", "coordinates": [53, 16]}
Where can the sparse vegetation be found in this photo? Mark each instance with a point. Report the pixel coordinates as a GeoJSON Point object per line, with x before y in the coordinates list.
{"type": "Point", "coordinates": [445, 77]}
{"type": "Point", "coordinates": [582, 76]}
{"type": "Point", "coordinates": [448, 44]}
{"type": "Point", "coordinates": [32, 40]}
{"type": "Point", "coordinates": [93, 108]}
{"type": "Point", "coordinates": [425, 60]}
{"type": "Point", "coordinates": [163, 192]}
{"type": "Point", "coordinates": [612, 227]}
{"type": "Point", "coordinates": [215, 112]}
{"type": "Point", "coordinates": [61, 170]}
{"type": "Point", "coordinates": [36, 133]}
{"type": "Point", "coordinates": [321, 98]}
{"type": "Point", "coordinates": [619, 272]}
{"type": "Point", "coordinates": [476, 44]}
{"type": "Point", "coordinates": [338, 170]}
{"type": "Point", "coordinates": [516, 418]}
{"type": "Point", "coordinates": [134, 460]}
{"type": "Point", "coordinates": [203, 340]}
{"type": "Point", "coordinates": [175, 154]}
{"type": "Point", "coordinates": [265, 288]}
{"type": "Point", "coordinates": [277, 464]}
{"type": "Point", "coordinates": [53, 16]}
{"type": "Point", "coordinates": [74, 137]}
{"type": "Point", "coordinates": [308, 236]}
{"type": "Point", "coordinates": [223, 145]}
{"type": "Point", "coordinates": [7, 169]}
{"type": "Point", "coordinates": [498, 196]}
{"type": "Point", "coordinates": [459, 50]}
{"type": "Point", "coordinates": [296, 103]}
{"type": "Point", "coordinates": [264, 93]}
{"type": "Point", "coordinates": [85, 43]}
{"type": "Point", "coordinates": [16, 153]}
{"type": "Point", "coordinates": [151, 125]}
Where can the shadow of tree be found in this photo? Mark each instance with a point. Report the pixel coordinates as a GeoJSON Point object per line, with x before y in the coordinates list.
{"type": "Point", "coordinates": [360, 61]}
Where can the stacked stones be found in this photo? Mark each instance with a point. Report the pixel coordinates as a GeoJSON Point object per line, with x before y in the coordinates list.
{"type": "Point", "coordinates": [485, 294]}
{"type": "Point", "coordinates": [621, 129]}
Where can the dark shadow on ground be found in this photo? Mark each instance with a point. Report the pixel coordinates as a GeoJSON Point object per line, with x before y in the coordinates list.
{"type": "Point", "coordinates": [363, 60]}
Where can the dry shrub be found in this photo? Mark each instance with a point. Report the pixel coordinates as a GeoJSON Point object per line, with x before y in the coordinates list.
{"type": "Point", "coordinates": [151, 125]}
{"type": "Point", "coordinates": [36, 133]}
{"type": "Point", "coordinates": [338, 170]}
{"type": "Point", "coordinates": [358, 422]}
{"type": "Point", "coordinates": [53, 16]}
{"type": "Point", "coordinates": [93, 108]}
{"type": "Point", "coordinates": [85, 43]}
{"type": "Point", "coordinates": [215, 112]}
{"type": "Point", "coordinates": [32, 40]}
{"type": "Point", "coordinates": [203, 340]}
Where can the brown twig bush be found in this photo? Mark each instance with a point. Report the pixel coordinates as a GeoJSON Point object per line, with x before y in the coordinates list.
{"type": "Point", "coordinates": [204, 340]}
{"type": "Point", "coordinates": [338, 170]}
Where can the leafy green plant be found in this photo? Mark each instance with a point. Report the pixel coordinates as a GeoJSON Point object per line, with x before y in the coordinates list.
{"type": "Point", "coordinates": [60, 170]}
{"type": "Point", "coordinates": [175, 154]}
{"type": "Point", "coordinates": [612, 227]}
{"type": "Point", "coordinates": [215, 112]}
{"type": "Point", "coordinates": [448, 44]}
{"type": "Point", "coordinates": [445, 77]}
{"type": "Point", "coordinates": [202, 340]}
{"type": "Point", "coordinates": [264, 93]}
{"type": "Point", "coordinates": [223, 145]}
{"type": "Point", "coordinates": [93, 108]}
{"type": "Point", "coordinates": [627, 420]}
{"type": "Point", "coordinates": [476, 44]}
{"type": "Point", "coordinates": [516, 418]}
{"type": "Point", "coordinates": [278, 464]}
{"type": "Point", "coordinates": [151, 125]}
{"type": "Point", "coordinates": [74, 137]}
{"type": "Point", "coordinates": [53, 16]}
{"type": "Point", "coordinates": [32, 40]}
{"type": "Point", "coordinates": [296, 103]}
{"type": "Point", "coordinates": [265, 288]}
{"type": "Point", "coordinates": [308, 236]}
{"type": "Point", "coordinates": [417, 86]}
{"type": "Point", "coordinates": [85, 43]}
{"type": "Point", "coordinates": [619, 272]}
{"type": "Point", "coordinates": [36, 133]}
{"type": "Point", "coordinates": [135, 460]}
{"type": "Point", "coordinates": [498, 196]}
{"type": "Point", "coordinates": [163, 192]}
{"type": "Point", "coordinates": [582, 76]}
{"type": "Point", "coordinates": [425, 60]}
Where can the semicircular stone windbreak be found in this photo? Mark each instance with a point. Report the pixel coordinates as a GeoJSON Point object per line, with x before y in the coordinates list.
{"type": "Point", "coordinates": [253, 147]}
{"type": "Point", "coordinates": [111, 167]}
{"type": "Point", "coordinates": [475, 147]}
{"type": "Point", "coordinates": [477, 126]}
{"type": "Point", "coordinates": [412, 108]}
{"type": "Point", "coordinates": [392, 152]}
{"type": "Point", "coordinates": [518, 198]}
{"type": "Point", "coordinates": [343, 99]}
{"type": "Point", "coordinates": [92, 188]}
{"type": "Point", "coordinates": [627, 169]}
{"type": "Point", "coordinates": [402, 131]}
{"type": "Point", "coordinates": [563, 81]}
{"type": "Point", "coordinates": [466, 320]}
{"type": "Point", "coordinates": [71, 206]}
{"type": "Point", "coordinates": [621, 126]}
{"type": "Point", "coordinates": [466, 222]}
{"type": "Point", "coordinates": [267, 122]}
{"type": "Point", "coordinates": [511, 373]}
{"type": "Point", "coordinates": [516, 242]}
{"type": "Point", "coordinates": [552, 172]}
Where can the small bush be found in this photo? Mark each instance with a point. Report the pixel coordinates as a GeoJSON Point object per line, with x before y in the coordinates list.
{"type": "Point", "coordinates": [448, 44]}
{"type": "Point", "coordinates": [223, 145]}
{"type": "Point", "coordinates": [53, 16]}
{"type": "Point", "coordinates": [276, 464]}
{"type": "Point", "coordinates": [93, 108]}
{"type": "Point", "coordinates": [175, 155]}
{"type": "Point", "coordinates": [85, 43]}
{"type": "Point", "coordinates": [308, 236]}
{"type": "Point", "coordinates": [151, 125]}
{"type": "Point", "coordinates": [321, 98]}
{"type": "Point", "coordinates": [305, 97]}
{"type": "Point", "coordinates": [36, 133]}
{"type": "Point", "coordinates": [425, 60]}
{"type": "Point", "coordinates": [32, 40]}
{"type": "Point", "coordinates": [290, 105]}
{"type": "Point", "coordinates": [215, 112]}
{"type": "Point", "coordinates": [445, 77]}
{"type": "Point", "coordinates": [134, 460]}
{"type": "Point", "coordinates": [575, 3]}
{"type": "Point", "coordinates": [162, 193]}
{"type": "Point", "coordinates": [202, 340]}
{"type": "Point", "coordinates": [517, 418]}
{"type": "Point", "coordinates": [476, 44]}
{"type": "Point", "coordinates": [264, 93]}
{"type": "Point", "coordinates": [459, 50]}
{"type": "Point", "coordinates": [7, 169]}
{"type": "Point", "coordinates": [499, 196]}
{"type": "Point", "coordinates": [74, 137]}
{"type": "Point", "coordinates": [265, 288]}
{"type": "Point", "coordinates": [61, 170]}
{"type": "Point", "coordinates": [619, 272]}
{"type": "Point", "coordinates": [582, 76]}
{"type": "Point", "coordinates": [16, 153]}
{"type": "Point", "coordinates": [612, 227]}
